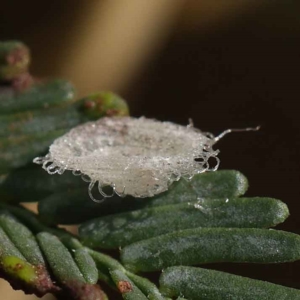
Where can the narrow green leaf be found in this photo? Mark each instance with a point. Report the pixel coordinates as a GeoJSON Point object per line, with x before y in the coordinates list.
{"type": "Point", "coordinates": [7, 247]}
{"type": "Point", "coordinates": [193, 283]}
{"type": "Point", "coordinates": [19, 269]}
{"type": "Point", "coordinates": [63, 117]}
{"type": "Point", "coordinates": [105, 261]}
{"type": "Point", "coordinates": [18, 151]}
{"type": "Point", "coordinates": [33, 184]}
{"type": "Point", "coordinates": [59, 258]}
{"type": "Point", "coordinates": [104, 264]}
{"type": "Point", "coordinates": [22, 274]}
{"type": "Point", "coordinates": [41, 121]}
{"type": "Point", "coordinates": [126, 287]}
{"type": "Point", "coordinates": [146, 286]}
{"type": "Point", "coordinates": [40, 95]}
{"type": "Point", "coordinates": [122, 229]}
{"type": "Point", "coordinates": [74, 206]}
{"type": "Point", "coordinates": [27, 217]}
{"type": "Point", "coordinates": [86, 265]}
{"type": "Point", "coordinates": [210, 245]}
{"type": "Point", "coordinates": [68, 207]}
{"type": "Point", "coordinates": [66, 270]}
{"type": "Point", "coordinates": [104, 276]}
{"type": "Point", "coordinates": [22, 238]}
{"type": "Point", "coordinates": [104, 104]}
{"type": "Point", "coordinates": [29, 278]}
{"type": "Point", "coordinates": [219, 184]}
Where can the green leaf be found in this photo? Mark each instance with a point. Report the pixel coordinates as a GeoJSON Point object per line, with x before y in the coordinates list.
{"type": "Point", "coordinates": [21, 273]}
{"type": "Point", "coordinates": [32, 184]}
{"type": "Point", "coordinates": [119, 230]}
{"type": "Point", "coordinates": [104, 260]}
{"type": "Point", "coordinates": [23, 239]}
{"type": "Point", "coordinates": [210, 245]}
{"type": "Point", "coordinates": [39, 96]}
{"type": "Point", "coordinates": [7, 247]}
{"type": "Point", "coordinates": [28, 218]}
{"type": "Point", "coordinates": [103, 104]}
{"type": "Point", "coordinates": [42, 120]}
{"type": "Point", "coordinates": [18, 151]}
{"type": "Point", "coordinates": [74, 206]}
{"type": "Point", "coordinates": [55, 118]}
{"type": "Point", "coordinates": [76, 275]}
{"type": "Point", "coordinates": [66, 270]}
{"type": "Point", "coordinates": [146, 286]}
{"type": "Point", "coordinates": [59, 258]}
{"type": "Point", "coordinates": [126, 287]}
{"type": "Point", "coordinates": [86, 265]}
{"type": "Point", "coordinates": [214, 185]}
{"type": "Point", "coordinates": [192, 282]}
{"type": "Point", "coordinates": [19, 268]}
{"type": "Point", "coordinates": [29, 278]}
{"type": "Point", "coordinates": [105, 264]}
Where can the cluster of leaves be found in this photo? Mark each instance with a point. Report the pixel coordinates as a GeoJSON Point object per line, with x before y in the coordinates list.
{"type": "Point", "coordinates": [204, 220]}
{"type": "Point", "coordinates": [35, 112]}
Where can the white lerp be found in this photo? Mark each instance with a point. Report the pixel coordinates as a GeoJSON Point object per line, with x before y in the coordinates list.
{"type": "Point", "coordinates": [135, 156]}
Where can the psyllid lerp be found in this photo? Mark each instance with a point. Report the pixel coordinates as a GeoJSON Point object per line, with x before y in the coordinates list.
{"type": "Point", "coordinates": [135, 156]}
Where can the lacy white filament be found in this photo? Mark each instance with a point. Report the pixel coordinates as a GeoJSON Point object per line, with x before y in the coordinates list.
{"type": "Point", "coordinates": [138, 157]}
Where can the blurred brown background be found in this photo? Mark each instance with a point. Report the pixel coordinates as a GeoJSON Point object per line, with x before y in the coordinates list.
{"type": "Point", "coordinates": [223, 63]}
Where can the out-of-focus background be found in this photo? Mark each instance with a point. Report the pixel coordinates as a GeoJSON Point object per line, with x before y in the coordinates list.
{"type": "Point", "coordinates": [223, 63]}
